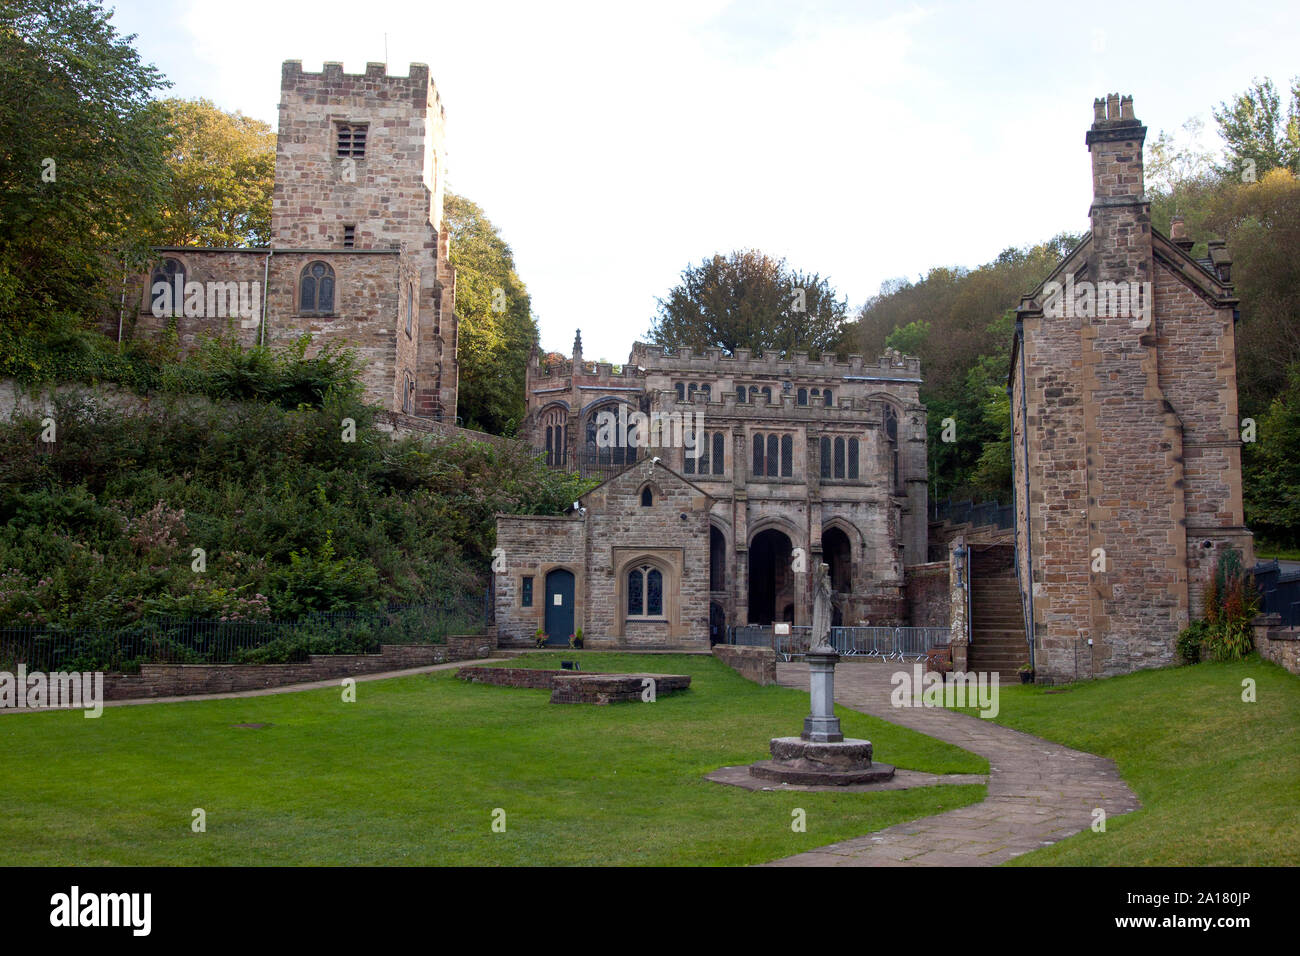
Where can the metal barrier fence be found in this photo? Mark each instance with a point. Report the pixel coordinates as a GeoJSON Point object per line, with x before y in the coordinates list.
{"type": "Point", "coordinates": [190, 641]}
{"type": "Point", "coordinates": [1279, 591]}
{"type": "Point", "coordinates": [885, 643]}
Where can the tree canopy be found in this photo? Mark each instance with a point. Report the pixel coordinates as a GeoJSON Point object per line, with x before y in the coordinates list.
{"type": "Point", "coordinates": [497, 329]}
{"type": "Point", "coordinates": [750, 300]}
{"type": "Point", "coordinates": [220, 177]}
{"type": "Point", "coordinates": [81, 171]}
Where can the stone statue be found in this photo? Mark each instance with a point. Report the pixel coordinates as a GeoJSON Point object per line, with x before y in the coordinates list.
{"type": "Point", "coordinates": [819, 641]}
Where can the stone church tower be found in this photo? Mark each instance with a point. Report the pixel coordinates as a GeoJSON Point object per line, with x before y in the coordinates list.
{"type": "Point", "coordinates": [359, 253]}
{"type": "Point", "coordinates": [1126, 446]}
{"type": "Point", "coordinates": [360, 163]}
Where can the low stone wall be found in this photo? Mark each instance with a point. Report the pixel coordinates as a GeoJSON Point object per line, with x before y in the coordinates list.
{"type": "Point", "coordinates": [1276, 643]}
{"type": "Point", "coordinates": [752, 663]}
{"type": "Point", "coordinates": [183, 680]}
{"type": "Point", "coordinates": [574, 687]}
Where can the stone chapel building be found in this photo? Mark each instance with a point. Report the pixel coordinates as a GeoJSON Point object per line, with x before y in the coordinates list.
{"type": "Point", "coordinates": [800, 461]}
{"type": "Point", "coordinates": [359, 253]}
{"type": "Point", "coordinates": [1126, 442]}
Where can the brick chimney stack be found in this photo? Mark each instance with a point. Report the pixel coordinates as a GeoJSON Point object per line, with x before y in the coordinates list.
{"type": "Point", "coordinates": [1121, 216]}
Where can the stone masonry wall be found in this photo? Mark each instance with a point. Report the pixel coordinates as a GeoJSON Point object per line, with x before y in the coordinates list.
{"type": "Point", "coordinates": [181, 680]}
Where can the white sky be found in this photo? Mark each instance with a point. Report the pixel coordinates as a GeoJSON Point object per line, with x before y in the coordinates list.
{"type": "Point", "coordinates": [615, 144]}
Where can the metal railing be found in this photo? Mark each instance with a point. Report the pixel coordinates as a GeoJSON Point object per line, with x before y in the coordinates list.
{"type": "Point", "coordinates": [1279, 591]}
{"type": "Point", "coordinates": [977, 515]}
{"type": "Point", "coordinates": [192, 641]}
{"type": "Point", "coordinates": [884, 643]}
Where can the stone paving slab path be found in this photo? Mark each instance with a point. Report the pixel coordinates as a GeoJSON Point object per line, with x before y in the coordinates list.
{"type": "Point", "coordinates": [1038, 792]}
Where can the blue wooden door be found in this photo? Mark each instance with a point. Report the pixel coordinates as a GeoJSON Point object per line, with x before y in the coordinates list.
{"type": "Point", "coordinates": [559, 607]}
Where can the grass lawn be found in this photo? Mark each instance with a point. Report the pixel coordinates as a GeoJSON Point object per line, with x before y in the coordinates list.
{"type": "Point", "coordinates": [1219, 779]}
{"type": "Point", "coordinates": [411, 773]}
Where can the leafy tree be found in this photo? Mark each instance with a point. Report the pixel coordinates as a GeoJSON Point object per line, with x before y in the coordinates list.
{"type": "Point", "coordinates": [750, 300]}
{"type": "Point", "coordinates": [81, 170]}
{"type": "Point", "coordinates": [497, 329]}
{"type": "Point", "coordinates": [1272, 491]}
{"type": "Point", "coordinates": [221, 174]}
{"type": "Point", "coordinates": [1254, 128]}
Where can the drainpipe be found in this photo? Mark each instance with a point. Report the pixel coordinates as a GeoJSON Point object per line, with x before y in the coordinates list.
{"type": "Point", "coordinates": [1029, 533]}
{"type": "Point", "coordinates": [266, 272]}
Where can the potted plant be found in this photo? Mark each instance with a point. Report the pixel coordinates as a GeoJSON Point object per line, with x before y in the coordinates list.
{"type": "Point", "coordinates": [540, 637]}
{"type": "Point", "coordinates": [575, 639]}
{"type": "Point", "coordinates": [1026, 673]}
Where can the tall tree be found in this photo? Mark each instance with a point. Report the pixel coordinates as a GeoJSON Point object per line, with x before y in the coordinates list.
{"type": "Point", "coordinates": [221, 174]}
{"type": "Point", "coordinates": [497, 329]}
{"type": "Point", "coordinates": [1257, 135]}
{"type": "Point", "coordinates": [81, 168]}
{"type": "Point", "coordinates": [750, 300]}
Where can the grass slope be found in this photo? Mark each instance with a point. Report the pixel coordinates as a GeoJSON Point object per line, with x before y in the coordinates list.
{"type": "Point", "coordinates": [411, 772]}
{"type": "Point", "coordinates": [1219, 779]}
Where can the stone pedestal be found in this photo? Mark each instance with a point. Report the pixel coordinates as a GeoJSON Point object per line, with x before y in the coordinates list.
{"type": "Point", "coordinates": [821, 756]}
{"type": "Point", "coordinates": [822, 726]}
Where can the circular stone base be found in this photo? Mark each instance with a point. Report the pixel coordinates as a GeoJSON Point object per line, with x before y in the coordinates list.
{"type": "Point", "coordinates": [810, 763]}
{"type": "Point", "coordinates": [783, 773]}
{"type": "Point", "coordinates": [847, 754]}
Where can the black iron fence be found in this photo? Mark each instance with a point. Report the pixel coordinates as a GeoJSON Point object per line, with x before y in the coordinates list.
{"type": "Point", "coordinates": [975, 514]}
{"type": "Point", "coordinates": [1279, 590]}
{"type": "Point", "coordinates": [189, 641]}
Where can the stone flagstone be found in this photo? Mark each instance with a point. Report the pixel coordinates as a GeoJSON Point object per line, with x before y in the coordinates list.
{"type": "Point", "coordinates": [1038, 792]}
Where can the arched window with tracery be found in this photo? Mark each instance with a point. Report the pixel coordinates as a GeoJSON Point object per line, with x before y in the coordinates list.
{"type": "Point", "coordinates": [167, 272]}
{"type": "Point", "coordinates": [555, 431]}
{"type": "Point", "coordinates": [316, 289]}
{"type": "Point", "coordinates": [645, 592]}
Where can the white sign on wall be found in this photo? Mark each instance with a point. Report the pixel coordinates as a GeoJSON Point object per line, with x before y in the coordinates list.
{"type": "Point", "coordinates": [559, 599]}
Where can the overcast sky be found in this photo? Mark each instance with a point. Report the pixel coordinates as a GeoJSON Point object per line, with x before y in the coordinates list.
{"type": "Point", "coordinates": [614, 144]}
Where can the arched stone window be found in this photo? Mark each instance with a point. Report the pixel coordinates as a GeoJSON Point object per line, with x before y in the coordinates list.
{"type": "Point", "coordinates": [619, 454]}
{"type": "Point", "coordinates": [719, 449]}
{"type": "Point", "coordinates": [647, 497]}
{"type": "Point", "coordinates": [645, 592]}
{"type": "Point", "coordinates": [826, 397]}
{"type": "Point", "coordinates": [853, 459]}
{"type": "Point", "coordinates": [787, 456]}
{"type": "Point", "coordinates": [803, 396]}
{"type": "Point", "coordinates": [825, 457]}
{"type": "Point", "coordinates": [554, 421]}
{"type": "Point", "coordinates": [740, 393]}
{"type": "Point", "coordinates": [839, 458]}
{"type": "Point", "coordinates": [316, 289]}
{"type": "Point", "coordinates": [410, 308]}
{"type": "Point", "coordinates": [891, 433]}
{"type": "Point", "coordinates": [681, 392]}
{"type": "Point", "coordinates": [408, 393]}
{"type": "Point", "coordinates": [167, 272]}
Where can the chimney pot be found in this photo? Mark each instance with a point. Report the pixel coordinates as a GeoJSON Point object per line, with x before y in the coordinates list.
{"type": "Point", "coordinates": [1126, 107]}
{"type": "Point", "coordinates": [1098, 110]}
{"type": "Point", "coordinates": [1112, 107]}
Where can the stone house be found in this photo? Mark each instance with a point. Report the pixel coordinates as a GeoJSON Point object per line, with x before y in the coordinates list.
{"type": "Point", "coordinates": [1126, 445]}
{"type": "Point", "coordinates": [798, 461]}
{"type": "Point", "coordinates": [359, 254]}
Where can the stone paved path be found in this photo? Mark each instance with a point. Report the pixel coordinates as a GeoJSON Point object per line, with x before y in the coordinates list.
{"type": "Point", "coordinates": [1038, 792]}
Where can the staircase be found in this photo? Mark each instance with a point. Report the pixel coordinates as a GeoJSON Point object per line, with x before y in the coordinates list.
{"type": "Point", "coordinates": [997, 620]}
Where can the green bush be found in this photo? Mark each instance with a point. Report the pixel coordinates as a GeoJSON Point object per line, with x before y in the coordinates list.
{"type": "Point", "coordinates": [98, 529]}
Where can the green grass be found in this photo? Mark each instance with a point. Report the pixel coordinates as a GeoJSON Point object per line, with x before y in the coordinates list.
{"type": "Point", "coordinates": [411, 772]}
{"type": "Point", "coordinates": [1219, 779]}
